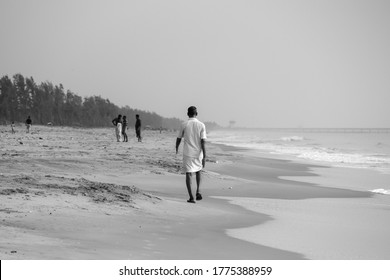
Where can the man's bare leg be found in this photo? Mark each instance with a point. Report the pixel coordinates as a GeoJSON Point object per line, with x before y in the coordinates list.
{"type": "Point", "coordinates": [189, 184]}
{"type": "Point", "coordinates": [198, 181]}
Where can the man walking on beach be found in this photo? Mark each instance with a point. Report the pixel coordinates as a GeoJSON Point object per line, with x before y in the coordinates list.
{"type": "Point", "coordinates": [28, 124]}
{"type": "Point", "coordinates": [13, 127]}
{"type": "Point", "coordinates": [194, 151]}
{"type": "Point", "coordinates": [138, 128]}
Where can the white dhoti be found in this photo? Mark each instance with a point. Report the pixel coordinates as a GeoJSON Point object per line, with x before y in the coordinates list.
{"type": "Point", "coordinates": [119, 132]}
{"type": "Point", "coordinates": [192, 164]}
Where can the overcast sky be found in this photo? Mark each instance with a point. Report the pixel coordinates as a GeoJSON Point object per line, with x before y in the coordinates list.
{"type": "Point", "coordinates": [261, 63]}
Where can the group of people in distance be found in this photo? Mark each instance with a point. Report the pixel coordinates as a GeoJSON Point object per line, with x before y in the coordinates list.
{"type": "Point", "coordinates": [120, 124]}
{"type": "Point", "coordinates": [28, 123]}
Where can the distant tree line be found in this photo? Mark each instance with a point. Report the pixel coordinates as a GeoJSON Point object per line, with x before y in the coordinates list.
{"type": "Point", "coordinates": [48, 103]}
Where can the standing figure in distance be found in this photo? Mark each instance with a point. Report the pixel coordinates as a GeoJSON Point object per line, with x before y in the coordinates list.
{"type": "Point", "coordinates": [117, 122]}
{"type": "Point", "coordinates": [138, 128]}
{"type": "Point", "coordinates": [28, 124]}
{"type": "Point", "coordinates": [13, 128]}
{"type": "Point", "coordinates": [194, 151]}
{"type": "Point", "coordinates": [124, 126]}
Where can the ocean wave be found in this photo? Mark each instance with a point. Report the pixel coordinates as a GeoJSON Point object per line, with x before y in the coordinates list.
{"type": "Point", "coordinates": [381, 191]}
{"type": "Point", "coordinates": [336, 150]}
{"type": "Point", "coordinates": [292, 138]}
{"type": "Point", "coordinates": [349, 158]}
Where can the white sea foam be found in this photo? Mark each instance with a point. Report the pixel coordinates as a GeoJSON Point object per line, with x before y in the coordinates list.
{"type": "Point", "coordinates": [292, 138]}
{"type": "Point", "coordinates": [347, 150]}
{"type": "Point", "coordinates": [381, 191]}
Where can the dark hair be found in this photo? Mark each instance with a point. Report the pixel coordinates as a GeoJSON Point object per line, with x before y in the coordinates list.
{"type": "Point", "coordinates": [192, 111]}
{"type": "Point", "coordinates": [137, 116]}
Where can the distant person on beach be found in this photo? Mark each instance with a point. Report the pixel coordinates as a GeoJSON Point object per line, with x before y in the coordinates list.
{"type": "Point", "coordinates": [138, 128]}
{"type": "Point", "coordinates": [117, 122]}
{"type": "Point", "coordinates": [28, 124]}
{"type": "Point", "coordinates": [124, 126]}
{"type": "Point", "coordinates": [194, 151]}
{"type": "Point", "coordinates": [13, 128]}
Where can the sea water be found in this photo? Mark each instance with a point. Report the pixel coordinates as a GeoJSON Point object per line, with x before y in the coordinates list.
{"type": "Point", "coordinates": [353, 148]}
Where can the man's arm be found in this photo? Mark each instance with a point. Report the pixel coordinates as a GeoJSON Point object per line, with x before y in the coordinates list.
{"type": "Point", "coordinates": [178, 140]}
{"type": "Point", "coordinates": [203, 146]}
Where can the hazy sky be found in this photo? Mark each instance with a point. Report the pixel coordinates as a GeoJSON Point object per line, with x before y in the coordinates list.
{"type": "Point", "coordinates": [261, 63]}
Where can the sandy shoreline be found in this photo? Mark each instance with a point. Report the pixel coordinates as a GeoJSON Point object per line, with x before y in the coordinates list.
{"type": "Point", "coordinates": [323, 213]}
{"type": "Point", "coordinates": [69, 193]}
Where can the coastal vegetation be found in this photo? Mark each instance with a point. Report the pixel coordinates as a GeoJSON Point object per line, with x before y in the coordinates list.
{"type": "Point", "coordinates": [48, 103]}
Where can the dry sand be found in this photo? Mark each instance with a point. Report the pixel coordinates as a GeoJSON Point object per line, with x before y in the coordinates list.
{"type": "Point", "coordinates": [70, 193]}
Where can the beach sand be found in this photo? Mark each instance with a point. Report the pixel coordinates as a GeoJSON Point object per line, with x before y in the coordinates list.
{"type": "Point", "coordinates": [72, 193]}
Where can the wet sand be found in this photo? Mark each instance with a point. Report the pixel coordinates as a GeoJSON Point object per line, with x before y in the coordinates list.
{"type": "Point", "coordinates": [321, 212]}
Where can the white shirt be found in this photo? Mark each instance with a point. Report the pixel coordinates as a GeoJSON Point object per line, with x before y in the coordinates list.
{"type": "Point", "coordinates": [192, 131]}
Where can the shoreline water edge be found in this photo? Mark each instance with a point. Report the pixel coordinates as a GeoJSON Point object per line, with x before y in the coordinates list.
{"type": "Point", "coordinates": [72, 193]}
{"type": "Point", "coordinates": [320, 211]}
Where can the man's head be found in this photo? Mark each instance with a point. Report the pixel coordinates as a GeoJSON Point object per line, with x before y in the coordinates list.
{"type": "Point", "coordinates": [192, 112]}
{"type": "Point", "coordinates": [137, 116]}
